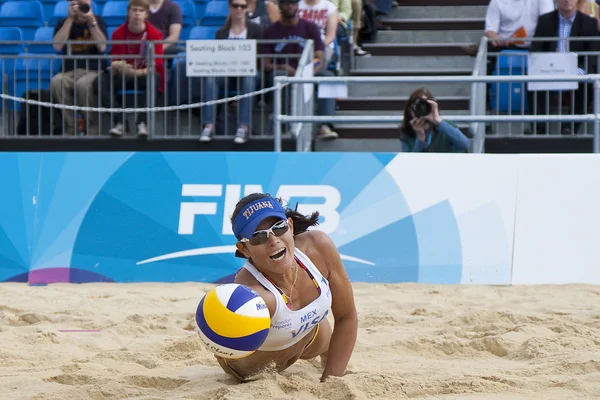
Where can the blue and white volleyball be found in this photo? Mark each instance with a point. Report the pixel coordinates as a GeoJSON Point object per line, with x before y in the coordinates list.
{"type": "Point", "coordinates": [233, 320]}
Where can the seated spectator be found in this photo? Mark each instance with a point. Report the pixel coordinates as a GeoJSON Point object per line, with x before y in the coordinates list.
{"type": "Point", "coordinates": [423, 130]}
{"type": "Point", "coordinates": [236, 27]}
{"type": "Point", "coordinates": [565, 22]}
{"type": "Point", "coordinates": [132, 73]}
{"type": "Point", "coordinates": [591, 8]}
{"type": "Point", "coordinates": [74, 85]}
{"type": "Point", "coordinates": [506, 19]}
{"type": "Point", "coordinates": [291, 27]}
{"type": "Point", "coordinates": [324, 14]}
{"type": "Point", "coordinates": [350, 9]}
{"type": "Point", "coordinates": [165, 15]}
{"type": "Point", "coordinates": [262, 12]}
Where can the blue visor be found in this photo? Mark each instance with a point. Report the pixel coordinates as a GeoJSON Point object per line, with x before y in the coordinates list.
{"type": "Point", "coordinates": [245, 224]}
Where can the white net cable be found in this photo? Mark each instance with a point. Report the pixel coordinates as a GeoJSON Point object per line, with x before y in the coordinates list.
{"type": "Point", "coordinates": [143, 109]}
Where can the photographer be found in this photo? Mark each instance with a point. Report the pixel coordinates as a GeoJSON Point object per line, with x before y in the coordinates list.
{"type": "Point", "coordinates": [423, 130]}
{"type": "Point", "coordinates": [74, 84]}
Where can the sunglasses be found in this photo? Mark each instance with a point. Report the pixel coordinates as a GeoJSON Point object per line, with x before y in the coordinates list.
{"type": "Point", "coordinates": [240, 6]}
{"type": "Point", "coordinates": [261, 237]}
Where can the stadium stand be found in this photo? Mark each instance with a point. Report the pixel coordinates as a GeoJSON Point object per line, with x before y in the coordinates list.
{"type": "Point", "coordinates": [425, 37]}
{"type": "Point", "coordinates": [27, 15]}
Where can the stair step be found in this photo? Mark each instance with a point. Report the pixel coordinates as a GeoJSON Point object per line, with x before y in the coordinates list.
{"type": "Point", "coordinates": [418, 63]}
{"type": "Point", "coordinates": [435, 24]}
{"type": "Point", "coordinates": [359, 145]}
{"type": "Point", "coordinates": [416, 49]}
{"type": "Point", "coordinates": [375, 131]}
{"type": "Point", "coordinates": [400, 90]}
{"type": "Point", "coordinates": [429, 36]}
{"type": "Point", "coordinates": [442, 3]}
{"type": "Point", "coordinates": [398, 103]}
{"type": "Point", "coordinates": [411, 72]}
{"type": "Point", "coordinates": [445, 11]}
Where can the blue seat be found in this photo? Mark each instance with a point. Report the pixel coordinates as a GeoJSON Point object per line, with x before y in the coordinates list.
{"type": "Point", "coordinates": [7, 49]}
{"type": "Point", "coordinates": [48, 9]}
{"type": "Point", "coordinates": [215, 13]}
{"type": "Point", "coordinates": [115, 13]}
{"type": "Point", "coordinates": [203, 32]}
{"type": "Point", "coordinates": [188, 14]}
{"type": "Point", "coordinates": [110, 30]}
{"type": "Point", "coordinates": [10, 35]}
{"type": "Point", "coordinates": [44, 34]}
{"type": "Point", "coordinates": [200, 8]}
{"type": "Point", "coordinates": [32, 72]}
{"type": "Point", "coordinates": [510, 96]}
{"type": "Point", "coordinates": [61, 10]}
{"type": "Point", "coordinates": [27, 15]}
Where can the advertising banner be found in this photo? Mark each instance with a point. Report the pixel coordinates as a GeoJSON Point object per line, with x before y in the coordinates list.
{"type": "Point", "coordinates": [165, 217]}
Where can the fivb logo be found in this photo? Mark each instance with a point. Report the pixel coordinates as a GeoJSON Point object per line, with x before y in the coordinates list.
{"type": "Point", "coordinates": [233, 193]}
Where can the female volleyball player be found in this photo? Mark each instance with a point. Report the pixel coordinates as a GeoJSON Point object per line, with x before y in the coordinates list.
{"type": "Point", "coordinates": [300, 275]}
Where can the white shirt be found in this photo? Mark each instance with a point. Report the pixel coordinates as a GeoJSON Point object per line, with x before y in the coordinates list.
{"type": "Point", "coordinates": [318, 13]}
{"type": "Point", "coordinates": [507, 16]}
{"type": "Point", "coordinates": [243, 35]}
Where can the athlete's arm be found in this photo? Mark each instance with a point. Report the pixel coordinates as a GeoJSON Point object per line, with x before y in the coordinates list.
{"type": "Point", "coordinates": [345, 328]}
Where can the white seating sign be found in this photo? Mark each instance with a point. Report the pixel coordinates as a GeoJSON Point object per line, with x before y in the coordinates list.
{"type": "Point", "coordinates": [552, 64]}
{"type": "Point", "coordinates": [220, 57]}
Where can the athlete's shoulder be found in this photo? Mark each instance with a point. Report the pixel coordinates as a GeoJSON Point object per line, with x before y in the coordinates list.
{"type": "Point", "coordinates": [318, 247]}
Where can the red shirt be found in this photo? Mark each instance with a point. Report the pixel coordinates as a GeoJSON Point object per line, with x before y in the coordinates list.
{"type": "Point", "coordinates": [150, 34]}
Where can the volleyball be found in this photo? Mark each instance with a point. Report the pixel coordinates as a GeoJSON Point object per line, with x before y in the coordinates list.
{"type": "Point", "coordinates": [233, 320]}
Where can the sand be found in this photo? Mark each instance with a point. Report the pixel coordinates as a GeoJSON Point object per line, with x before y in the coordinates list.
{"type": "Point", "coordinates": [414, 341]}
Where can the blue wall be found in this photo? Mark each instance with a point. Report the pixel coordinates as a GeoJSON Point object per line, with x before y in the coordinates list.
{"type": "Point", "coordinates": [81, 217]}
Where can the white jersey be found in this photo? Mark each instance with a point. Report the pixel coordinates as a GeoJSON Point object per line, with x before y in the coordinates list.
{"type": "Point", "coordinates": [288, 327]}
{"type": "Point", "coordinates": [317, 13]}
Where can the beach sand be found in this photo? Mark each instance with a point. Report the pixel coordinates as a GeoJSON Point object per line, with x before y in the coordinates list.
{"type": "Point", "coordinates": [414, 341]}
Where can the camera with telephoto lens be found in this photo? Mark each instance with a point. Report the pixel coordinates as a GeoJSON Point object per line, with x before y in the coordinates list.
{"type": "Point", "coordinates": [84, 8]}
{"type": "Point", "coordinates": [421, 108]}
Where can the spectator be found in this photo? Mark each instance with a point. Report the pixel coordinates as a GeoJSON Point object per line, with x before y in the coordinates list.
{"type": "Point", "coordinates": [132, 73]}
{"type": "Point", "coordinates": [565, 22]}
{"type": "Point", "coordinates": [74, 85]}
{"type": "Point", "coordinates": [236, 27]}
{"type": "Point", "coordinates": [350, 9]}
{"type": "Point", "coordinates": [506, 19]}
{"type": "Point", "coordinates": [324, 14]}
{"type": "Point", "coordinates": [423, 130]}
{"type": "Point", "coordinates": [262, 12]}
{"type": "Point", "coordinates": [165, 16]}
{"type": "Point", "coordinates": [591, 8]}
{"type": "Point", "coordinates": [292, 28]}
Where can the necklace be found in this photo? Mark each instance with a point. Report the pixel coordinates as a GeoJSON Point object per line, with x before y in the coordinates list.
{"type": "Point", "coordinates": [292, 287]}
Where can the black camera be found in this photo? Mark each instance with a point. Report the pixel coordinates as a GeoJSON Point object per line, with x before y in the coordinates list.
{"type": "Point", "coordinates": [84, 8]}
{"type": "Point", "coordinates": [421, 108]}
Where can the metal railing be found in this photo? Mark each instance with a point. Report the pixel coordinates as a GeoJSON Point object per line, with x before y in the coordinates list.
{"type": "Point", "coordinates": [478, 91]}
{"type": "Point", "coordinates": [280, 117]}
{"type": "Point", "coordinates": [177, 110]}
{"type": "Point", "coordinates": [174, 109]}
{"type": "Point", "coordinates": [515, 98]}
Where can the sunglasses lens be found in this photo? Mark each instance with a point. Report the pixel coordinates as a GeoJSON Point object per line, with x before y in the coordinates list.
{"type": "Point", "coordinates": [280, 230]}
{"type": "Point", "coordinates": [259, 238]}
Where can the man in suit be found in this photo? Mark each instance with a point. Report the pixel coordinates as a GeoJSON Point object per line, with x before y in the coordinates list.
{"type": "Point", "coordinates": [566, 22]}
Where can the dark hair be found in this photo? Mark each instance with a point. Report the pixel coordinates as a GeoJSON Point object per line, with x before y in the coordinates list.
{"type": "Point", "coordinates": [301, 222]}
{"type": "Point", "coordinates": [407, 128]}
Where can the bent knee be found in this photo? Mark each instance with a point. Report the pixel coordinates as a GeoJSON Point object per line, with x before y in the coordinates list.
{"type": "Point", "coordinates": [57, 80]}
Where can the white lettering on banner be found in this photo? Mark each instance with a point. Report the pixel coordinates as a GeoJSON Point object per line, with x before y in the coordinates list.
{"type": "Point", "coordinates": [189, 210]}
{"type": "Point", "coordinates": [220, 57]}
{"type": "Point", "coordinates": [552, 64]}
